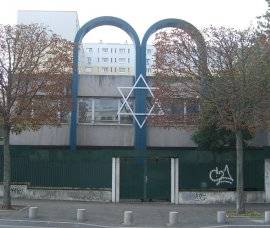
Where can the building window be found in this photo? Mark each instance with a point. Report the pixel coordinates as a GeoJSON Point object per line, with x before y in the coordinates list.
{"type": "Point", "coordinates": [122, 70]}
{"type": "Point", "coordinates": [192, 106]}
{"type": "Point", "coordinates": [128, 60]}
{"type": "Point", "coordinates": [147, 61]}
{"type": "Point", "coordinates": [90, 50]}
{"type": "Point", "coordinates": [115, 60]}
{"type": "Point", "coordinates": [177, 106]}
{"type": "Point", "coordinates": [111, 50]}
{"type": "Point", "coordinates": [106, 110]}
{"type": "Point", "coordinates": [64, 118]}
{"type": "Point", "coordinates": [126, 117]}
{"type": "Point", "coordinates": [88, 69]}
{"type": "Point", "coordinates": [148, 51]}
{"type": "Point", "coordinates": [85, 110]}
{"type": "Point", "coordinates": [122, 50]}
{"type": "Point", "coordinates": [122, 60]}
{"type": "Point", "coordinates": [98, 60]}
{"type": "Point", "coordinates": [128, 51]}
{"type": "Point", "coordinates": [105, 69]}
{"type": "Point", "coordinates": [89, 60]}
{"type": "Point", "coordinates": [105, 50]}
{"type": "Point", "coordinates": [148, 70]}
{"type": "Point", "coordinates": [111, 60]}
{"type": "Point", "coordinates": [105, 60]}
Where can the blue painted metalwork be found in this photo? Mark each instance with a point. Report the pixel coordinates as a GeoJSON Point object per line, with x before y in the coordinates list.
{"type": "Point", "coordinates": [185, 26]}
{"type": "Point", "coordinates": [99, 21]}
{"type": "Point", "coordinates": [140, 95]}
{"type": "Point", "coordinates": [189, 29]}
{"type": "Point", "coordinates": [198, 38]}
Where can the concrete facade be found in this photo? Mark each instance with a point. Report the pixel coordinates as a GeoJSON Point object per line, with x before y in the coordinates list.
{"type": "Point", "coordinates": [105, 195]}
{"type": "Point", "coordinates": [56, 136]}
{"type": "Point", "coordinates": [116, 134]}
{"type": "Point", "coordinates": [103, 84]}
{"type": "Point", "coordinates": [23, 192]}
{"type": "Point", "coordinates": [207, 197]}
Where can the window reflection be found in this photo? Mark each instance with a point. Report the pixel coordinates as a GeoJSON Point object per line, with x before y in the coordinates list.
{"type": "Point", "coordinates": [103, 111]}
{"type": "Point", "coordinates": [106, 110]}
{"type": "Point", "coordinates": [85, 110]}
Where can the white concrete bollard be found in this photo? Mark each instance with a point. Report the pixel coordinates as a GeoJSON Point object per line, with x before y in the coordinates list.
{"type": "Point", "coordinates": [221, 217]}
{"type": "Point", "coordinates": [33, 212]}
{"type": "Point", "coordinates": [81, 215]}
{"type": "Point", "coordinates": [267, 216]}
{"type": "Point", "coordinates": [128, 218]}
{"type": "Point", "coordinates": [173, 218]}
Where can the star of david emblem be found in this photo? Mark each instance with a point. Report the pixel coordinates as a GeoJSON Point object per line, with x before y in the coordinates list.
{"type": "Point", "coordinates": [126, 105]}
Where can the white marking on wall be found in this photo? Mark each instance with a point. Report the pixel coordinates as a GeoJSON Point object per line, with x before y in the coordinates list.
{"type": "Point", "coordinates": [221, 176]}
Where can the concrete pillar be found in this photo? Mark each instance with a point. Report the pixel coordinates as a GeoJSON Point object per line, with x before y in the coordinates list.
{"type": "Point", "coordinates": [175, 180]}
{"type": "Point", "coordinates": [267, 180]}
{"type": "Point", "coordinates": [173, 218]}
{"type": "Point", "coordinates": [128, 218]}
{"type": "Point", "coordinates": [221, 217]}
{"type": "Point", "coordinates": [33, 212]}
{"type": "Point", "coordinates": [267, 216]}
{"type": "Point", "coordinates": [115, 180]}
{"type": "Point", "coordinates": [81, 215]}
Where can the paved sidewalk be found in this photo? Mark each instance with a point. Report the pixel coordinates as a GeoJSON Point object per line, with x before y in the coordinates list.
{"type": "Point", "coordinates": [63, 214]}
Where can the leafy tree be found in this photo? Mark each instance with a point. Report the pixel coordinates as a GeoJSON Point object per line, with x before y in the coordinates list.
{"type": "Point", "coordinates": [236, 87]}
{"type": "Point", "coordinates": [35, 67]}
{"type": "Point", "coordinates": [214, 138]}
{"type": "Point", "coordinates": [263, 24]}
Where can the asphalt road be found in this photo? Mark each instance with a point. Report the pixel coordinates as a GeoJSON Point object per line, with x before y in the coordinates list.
{"type": "Point", "coordinates": [110, 215]}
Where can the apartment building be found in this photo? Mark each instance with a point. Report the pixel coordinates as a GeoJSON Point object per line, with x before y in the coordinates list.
{"type": "Point", "coordinates": [114, 58]}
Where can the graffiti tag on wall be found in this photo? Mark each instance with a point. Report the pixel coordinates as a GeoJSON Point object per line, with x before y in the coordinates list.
{"type": "Point", "coordinates": [198, 196]}
{"type": "Point", "coordinates": [221, 176]}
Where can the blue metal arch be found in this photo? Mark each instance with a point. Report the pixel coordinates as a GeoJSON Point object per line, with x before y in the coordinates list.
{"type": "Point", "coordinates": [188, 28]}
{"type": "Point", "coordinates": [99, 21]}
{"type": "Point", "coordinates": [185, 26]}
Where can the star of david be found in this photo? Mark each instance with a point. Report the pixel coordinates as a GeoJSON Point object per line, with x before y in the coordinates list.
{"type": "Point", "coordinates": [129, 108]}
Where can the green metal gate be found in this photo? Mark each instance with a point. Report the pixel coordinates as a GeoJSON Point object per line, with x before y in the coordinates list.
{"type": "Point", "coordinates": [145, 179]}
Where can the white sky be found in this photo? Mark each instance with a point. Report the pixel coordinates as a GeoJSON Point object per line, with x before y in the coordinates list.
{"type": "Point", "coordinates": [141, 14]}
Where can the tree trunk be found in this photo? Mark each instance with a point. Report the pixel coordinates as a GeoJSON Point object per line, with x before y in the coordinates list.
{"type": "Point", "coordinates": [7, 170]}
{"type": "Point", "coordinates": [240, 194]}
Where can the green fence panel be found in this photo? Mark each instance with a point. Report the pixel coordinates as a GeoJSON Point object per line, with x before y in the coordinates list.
{"type": "Point", "coordinates": [91, 168]}
{"type": "Point", "coordinates": [50, 171]}
{"type": "Point", "coordinates": [131, 178]}
{"type": "Point", "coordinates": [159, 179]}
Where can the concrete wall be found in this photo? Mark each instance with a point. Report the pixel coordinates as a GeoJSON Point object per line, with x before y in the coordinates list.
{"type": "Point", "coordinates": [105, 195]}
{"type": "Point", "coordinates": [45, 136]}
{"type": "Point", "coordinates": [103, 85]}
{"type": "Point", "coordinates": [200, 197]}
{"type": "Point", "coordinates": [169, 137]}
{"type": "Point", "coordinates": [105, 135]}
{"type": "Point", "coordinates": [115, 135]}
{"type": "Point", "coordinates": [23, 192]}
{"type": "Point", "coordinates": [88, 135]}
